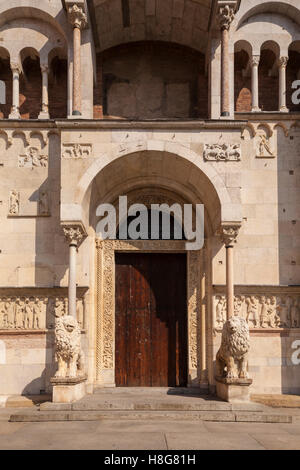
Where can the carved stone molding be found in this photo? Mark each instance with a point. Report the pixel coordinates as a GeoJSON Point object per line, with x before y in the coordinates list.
{"type": "Point", "coordinates": [105, 354]}
{"type": "Point", "coordinates": [229, 234]}
{"type": "Point", "coordinates": [77, 17]}
{"type": "Point", "coordinates": [33, 158]}
{"type": "Point", "coordinates": [74, 233]}
{"type": "Point", "coordinates": [261, 311]}
{"type": "Point", "coordinates": [222, 152]}
{"type": "Point", "coordinates": [35, 311]}
{"type": "Point", "coordinates": [76, 151]}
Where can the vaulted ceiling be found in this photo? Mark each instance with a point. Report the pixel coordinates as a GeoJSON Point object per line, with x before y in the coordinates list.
{"type": "Point", "coordinates": [181, 21]}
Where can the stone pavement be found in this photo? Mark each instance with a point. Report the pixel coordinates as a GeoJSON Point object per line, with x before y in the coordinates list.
{"type": "Point", "coordinates": [109, 434]}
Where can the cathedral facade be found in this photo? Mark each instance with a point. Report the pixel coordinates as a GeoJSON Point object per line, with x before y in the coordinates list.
{"type": "Point", "coordinates": [180, 102]}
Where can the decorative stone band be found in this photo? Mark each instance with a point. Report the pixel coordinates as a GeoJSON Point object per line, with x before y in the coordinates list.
{"type": "Point", "coordinates": [222, 152]}
{"type": "Point", "coordinates": [74, 233]}
{"type": "Point", "coordinates": [77, 17]}
{"type": "Point", "coordinates": [261, 311]}
{"type": "Point", "coordinates": [36, 309]}
{"type": "Point", "coordinates": [229, 233]}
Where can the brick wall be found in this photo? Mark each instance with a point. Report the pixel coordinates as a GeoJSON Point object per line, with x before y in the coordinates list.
{"type": "Point", "coordinates": [242, 85]}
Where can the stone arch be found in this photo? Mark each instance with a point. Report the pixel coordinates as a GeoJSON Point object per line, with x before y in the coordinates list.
{"type": "Point", "coordinates": [284, 8]}
{"type": "Point", "coordinates": [204, 182]}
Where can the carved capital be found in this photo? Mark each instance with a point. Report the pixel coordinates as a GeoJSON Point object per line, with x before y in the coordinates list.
{"type": "Point", "coordinates": [255, 59]}
{"type": "Point", "coordinates": [282, 62]}
{"type": "Point", "coordinates": [74, 233]}
{"type": "Point", "coordinates": [15, 67]}
{"type": "Point", "coordinates": [226, 16]}
{"type": "Point", "coordinates": [44, 68]}
{"type": "Point", "coordinates": [77, 17]}
{"type": "Point", "coordinates": [229, 234]}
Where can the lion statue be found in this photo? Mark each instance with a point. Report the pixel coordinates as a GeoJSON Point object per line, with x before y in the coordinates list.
{"type": "Point", "coordinates": [68, 350]}
{"type": "Point", "coordinates": [232, 357]}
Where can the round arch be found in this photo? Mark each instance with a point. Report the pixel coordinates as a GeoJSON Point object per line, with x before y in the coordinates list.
{"type": "Point", "coordinates": [177, 168]}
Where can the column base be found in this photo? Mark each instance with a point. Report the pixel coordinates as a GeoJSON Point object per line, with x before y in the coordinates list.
{"type": "Point", "coordinates": [68, 390]}
{"type": "Point", "coordinates": [14, 115]}
{"type": "Point", "coordinates": [284, 109]}
{"type": "Point", "coordinates": [256, 110]}
{"type": "Point", "coordinates": [225, 114]}
{"type": "Point", "coordinates": [233, 390]}
{"type": "Point", "coordinates": [43, 115]}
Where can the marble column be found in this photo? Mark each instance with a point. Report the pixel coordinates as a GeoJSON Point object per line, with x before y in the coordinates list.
{"type": "Point", "coordinates": [78, 20]}
{"type": "Point", "coordinates": [74, 235]}
{"type": "Point", "coordinates": [229, 234]}
{"type": "Point", "coordinates": [254, 80]}
{"type": "Point", "coordinates": [16, 71]}
{"type": "Point", "coordinates": [226, 16]}
{"type": "Point", "coordinates": [282, 63]}
{"type": "Point", "coordinates": [44, 114]}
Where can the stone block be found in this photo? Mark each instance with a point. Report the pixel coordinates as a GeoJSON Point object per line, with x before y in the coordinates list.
{"type": "Point", "coordinates": [233, 390]}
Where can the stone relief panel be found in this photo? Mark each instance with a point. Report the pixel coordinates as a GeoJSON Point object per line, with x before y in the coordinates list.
{"type": "Point", "coordinates": [222, 152]}
{"type": "Point", "coordinates": [261, 311]}
{"type": "Point", "coordinates": [33, 158]}
{"type": "Point", "coordinates": [14, 202]}
{"type": "Point", "coordinates": [35, 312]}
{"type": "Point", "coordinates": [76, 151]}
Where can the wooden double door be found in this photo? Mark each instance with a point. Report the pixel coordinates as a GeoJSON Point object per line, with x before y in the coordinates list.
{"type": "Point", "coordinates": [151, 320]}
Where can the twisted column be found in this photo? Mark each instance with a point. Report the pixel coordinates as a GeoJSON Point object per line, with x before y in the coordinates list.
{"type": "Point", "coordinates": [16, 71]}
{"type": "Point", "coordinates": [78, 20]}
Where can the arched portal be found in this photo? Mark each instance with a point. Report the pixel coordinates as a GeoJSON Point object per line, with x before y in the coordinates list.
{"type": "Point", "coordinates": [147, 175]}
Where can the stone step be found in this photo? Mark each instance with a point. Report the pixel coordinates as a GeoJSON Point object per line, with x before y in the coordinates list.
{"type": "Point", "coordinates": [153, 405]}
{"type": "Point", "coordinates": [216, 416]}
{"type": "Point", "coordinates": [127, 391]}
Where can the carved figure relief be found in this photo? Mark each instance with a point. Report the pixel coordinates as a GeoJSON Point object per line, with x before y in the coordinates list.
{"type": "Point", "coordinates": [14, 202]}
{"type": "Point", "coordinates": [222, 152]}
{"type": "Point", "coordinates": [35, 313]}
{"type": "Point", "coordinates": [33, 158]}
{"type": "Point", "coordinates": [77, 151]}
{"type": "Point", "coordinates": [261, 311]}
{"type": "Point", "coordinates": [264, 147]}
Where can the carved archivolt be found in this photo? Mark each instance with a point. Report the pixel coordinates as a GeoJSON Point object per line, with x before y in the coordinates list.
{"type": "Point", "coordinates": [105, 337]}
{"type": "Point", "coordinates": [222, 152]}
{"type": "Point", "coordinates": [261, 311]}
{"type": "Point", "coordinates": [35, 312]}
